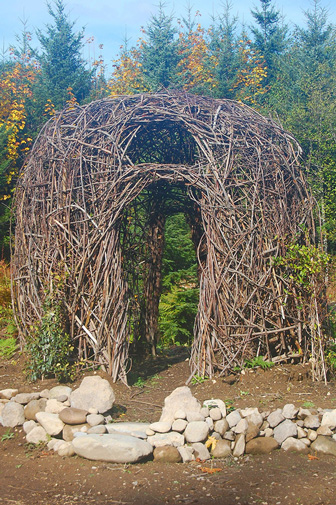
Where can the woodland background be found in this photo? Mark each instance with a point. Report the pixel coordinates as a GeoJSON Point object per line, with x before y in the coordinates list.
{"type": "Point", "coordinates": [288, 74]}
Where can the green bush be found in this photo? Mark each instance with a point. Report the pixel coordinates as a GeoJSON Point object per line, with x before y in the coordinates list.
{"type": "Point", "coordinates": [50, 348]}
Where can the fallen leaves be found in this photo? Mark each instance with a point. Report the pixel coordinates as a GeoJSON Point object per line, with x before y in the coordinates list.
{"type": "Point", "coordinates": [206, 469]}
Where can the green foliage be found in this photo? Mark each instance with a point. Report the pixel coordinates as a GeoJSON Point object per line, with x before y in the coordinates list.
{"type": "Point", "coordinates": [8, 435]}
{"type": "Point", "coordinates": [198, 379]}
{"type": "Point", "coordinates": [8, 347]}
{"type": "Point", "coordinates": [258, 361]}
{"type": "Point", "coordinates": [50, 348]}
{"type": "Point", "coordinates": [331, 357]}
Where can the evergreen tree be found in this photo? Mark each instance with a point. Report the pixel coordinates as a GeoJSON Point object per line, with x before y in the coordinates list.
{"type": "Point", "coordinates": [159, 52]}
{"type": "Point", "coordinates": [63, 72]}
{"type": "Point", "coordinates": [269, 35]}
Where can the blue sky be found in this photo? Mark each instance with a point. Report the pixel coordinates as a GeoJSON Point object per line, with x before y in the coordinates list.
{"type": "Point", "coordinates": [108, 20]}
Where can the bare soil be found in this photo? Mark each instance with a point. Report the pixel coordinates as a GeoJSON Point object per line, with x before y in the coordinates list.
{"type": "Point", "coordinates": [34, 475]}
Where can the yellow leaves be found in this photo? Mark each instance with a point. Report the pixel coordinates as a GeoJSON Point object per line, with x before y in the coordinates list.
{"type": "Point", "coordinates": [127, 76]}
{"type": "Point", "coordinates": [211, 443]}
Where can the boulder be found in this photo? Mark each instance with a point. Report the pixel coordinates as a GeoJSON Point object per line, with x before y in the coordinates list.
{"type": "Point", "coordinates": [181, 399]}
{"type": "Point", "coordinates": [239, 446]}
{"type": "Point", "coordinates": [58, 391]}
{"type": "Point", "coordinates": [133, 429]}
{"type": "Point", "coordinates": [171, 438]}
{"type": "Point", "coordinates": [71, 415]}
{"type": "Point", "coordinates": [241, 427]}
{"type": "Point", "coordinates": [294, 445]}
{"type": "Point", "coordinates": [252, 432]}
{"type": "Point", "coordinates": [221, 426]}
{"type": "Point", "coordinates": [222, 449]}
{"type": "Point", "coordinates": [37, 435]}
{"type": "Point", "coordinates": [33, 407]}
{"type": "Point", "coordinates": [179, 425]}
{"type": "Point", "coordinates": [167, 454]}
{"type": "Point", "coordinates": [187, 453]}
{"type": "Point", "coordinates": [7, 394]}
{"type": "Point", "coordinates": [12, 414]}
{"type": "Point", "coordinates": [216, 403]}
{"type": "Point", "coordinates": [261, 445]}
{"type": "Point", "coordinates": [290, 411]}
{"type": "Point", "coordinates": [324, 444]}
{"type": "Point", "coordinates": [53, 406]}
{"type": "Point", "coordinates": [196, 431]}
{"type": "Point", "coordinates": [275, 418]}
{"type": "Point", "coordinates": [24, 398]}
{"type": "Point", "coordinates": [50, 422]}
{"type": "Point", "coordinates": [200, 451]}
{"type": "Point", "coordinates": [99, 429]}
{"type": "Point", "coordinates": [28, 426]}
{"type": "Point", "coordinates": [66, 450]}
{"type": "Point", "coordinates": [94, 392]}
{"type": "Point", "coordinates": [215, 413]}
{"type": "Point", "coordinates": [312, 422]}
{"type": "Point", "coordinates": [233, 418]}
{"type": "Point", "coordinates": [161, 426]}
{"type": "Point", "coordinates": [329, 419]}
{"type": "Point", "coordinates": [113, 448]}
{"type": "Point", "coordinates": [285, 430]}
{"type": "Point", "coordinates": [95, 419]}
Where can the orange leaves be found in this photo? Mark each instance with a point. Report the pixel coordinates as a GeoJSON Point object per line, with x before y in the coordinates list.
{"type": "Point", "coordinates": [210, 471]}
{"type": "Point", "coordinates": [127, 77]}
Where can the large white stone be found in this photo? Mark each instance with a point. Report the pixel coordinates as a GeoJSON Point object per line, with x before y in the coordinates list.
{"type": "Point", "coordinates": [294, 445]}
{"type": "Point", "coordinates": [329, 419]}
{"type": "Point", "coordinates": [50, 422]}
{"type": "Point", "coordinates": [58, 391]}
{"type": "Point", "coordinates": [12, 414]}
{"type": "Point", "coordinates": [8, 393]}
{"type": "Point", "coordinates": [128, 428]}
{"type": "Point", "coordinates": [196, 431]}
{"type": "Point", "coordinates": [290, 411]}
{"type": "Point", "coordinates": [37, 435]}
{"type": "Point", "coordinates": [53, 406]}
{"type": "Point", "coordinates": [160, 426]}
{"type": "Point", "coordinates": [171, 438]}
{"type": "Point", "coordinates": [112, 448]}
{"type": "Point", "coordinates": [275, 418]}
{"type": "Point", "coordinates": [216, 403]}
{"type": "Point", "coordinates": [285, 430]}
{"type": "Point", "coordinates": [94, 392]}
{"type": "Point", "coordinates": [233, 418]}
{"type": "Point", "coordinates": [180, 400]}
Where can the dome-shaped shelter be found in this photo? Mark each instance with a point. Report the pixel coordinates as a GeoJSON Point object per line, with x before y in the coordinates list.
{"type": "Point", "coordinates": [234, 173]}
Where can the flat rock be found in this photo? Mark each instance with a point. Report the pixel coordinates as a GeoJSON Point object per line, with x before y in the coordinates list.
{"type": "Point", "coordinates": [167, 454]}
{"type": "Point", "coordinates": [275, 418]}
{"type": "Point", "coordinates": [12, 414]}
{"type": "Point", "coordinates": [329, 419]}
{"type": "Point", "coordinates": [233, 418]}
{"type": "Point", "coordinates": [221, 426]}
{"type": "Point", "coordinates": [324, 444]}
{"type": "Point", "coordinates": [24, 398]}
{"type": "Point", "coordinates": [285, 430]}
{"type": "Point", "coordinates": [294, 445]}
{"type": "Point", "coordinates": [181, 399]}
{"type": "Point", "coordinates": [37, 435]}
{"type": "Point", "coordinates": [216, 403]}
{"type": "Point", "coordinates": [93, 392]}
{"type": "Point", "coordinates": [112, 448]}
{"type": "Point", "coordinates": [196, 431]}
{"type": "Point", "coordinates": [58, 391]}
{"type": "Point", "coordinates": [128, 428]}
{"type": "Point", "coordinates": [95, 419]}
{"type": "Point", "coordinates": [222, 449]}
{"type": "Point", "coordinates": [179, 425]}
{"type": "Point", "coordinates": [239, 446]}
{"type": "Point", "coordinates": [200, 451]}
{"type": "Point", "coordinates": [33, 407]}
{"type": "Point", "coordinates": [312, 422]}
{"type": "Point", "coordinates": [7, 394]}
{"type": "Point", "coordinates": [71, 415]}
{"type": "Point", "coordinates": [99, 429]}
{"type": "Point", "coordinates": [50, 422]}
{"type": "Point", "coordinates": [261, 445]}
{"type": "Point", "coordinates": [161, 426]}
{"type": "Point", "coordinates": [290, 411]}
{"type": "Point", "coordinates": [171, 438]}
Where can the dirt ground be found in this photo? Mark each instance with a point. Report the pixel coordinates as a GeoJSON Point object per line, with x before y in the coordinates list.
{"type": "Point", "coordinates": [32, 475]}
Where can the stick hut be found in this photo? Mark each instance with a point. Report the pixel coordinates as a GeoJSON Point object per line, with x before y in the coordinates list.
{"type": "Point", "coordinates": [236, 176]}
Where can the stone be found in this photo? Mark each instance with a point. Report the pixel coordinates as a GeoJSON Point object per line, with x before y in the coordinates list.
{"type": "Point", "coordinates": [329, 419]}
{"type": "Point", "coordinates": [221, 426]}
{"type": "Point", "coordinates": [205, 412]}
{"type": "Point", "coordinates": [241, 427]}
{"type": "Point", "coordinates": [7, 394]}
{"type": "Point", "coordinates": [275, 418]}
{"type": "Point", "coordinates": [222, 449]}
{"type": "Point", "coordinates": [239, 446]}
{"type": "Point", "coordinates": [12, 414]}
{"type": "Point", "coordinates": [69, 431]}
{"type": "Point", "coordinates": [37, 435]}
{"type": "Point", "coordinates": [161, 427]}
{"type": "Point", "coordinates": [303, 413]}
{"type": "Point", "coordinates": [28, 426]}
{"type": "Point", "coordinates": [113, 448]}
{"type": "Point", "coordinates": [167, 454]}
{"type": "Point", "coordinates": [269, 432]}
{"type": "Point", "coordinates": [215, 414]}
{"type": "Point", "coordinates": [324, 444]}
{"type": "Point", "coordinates": [210, 423]}
{"type": "Point", "coordinates": [100, 429]}
{"type": "Point", "coordinates": [251, 432]}
{"type": "Point", "coordinates": [71, 415]}
{"type": "Point", "coordinates": [233, 418]}
{"type": "Point", "coordinates": [52, 442]}
{"type": "Point", "coordinates": [194, 416]}
{"type": "Point", "coordinates": [95, 419]}
{"type": "Point", "coordinates": [200, 451]}
{"type": "Point", "coordinates": [171, 438]}
{"type": "Point", "coordinates": [216, 403]}
{"type": "Point", "coordinates": [45, 394]}
{"type": "Point", "coordinates": [179, 425]}
{"type": "Point", "coordinates": [290, 411]}
{"type": "Point", "coordinates": [301, 433]}
{"type": "Point", "coordinates": [62, 398]}
{"type": "Point", "coordinates": [181, 399]}
{"type": "Point", "coordinates": [128, 428]}
{"type": "Point", "coordinates": [66, 450]}
{"type": "Point", "coordinates": [285, 430]}
{"type": "Point", "coordinates": [306, 441]}
{"type": "Point", "coordinates": [261, 445]}
{"type": "Point", "coordinates": [196, 431]}
{"type": "Point", "coordinates": [91, 410]}
{"type": "Point", "coordinates": [312, 435]}
{"type": "Point", "coordinates": [150, 432]}
{"type": "Point", "coordinates": [58, 391]}
{"type": "Point", "coordinates": [33, 407]}
{"type": "Point", "coordinates": [53, 406]}
{"type": "Point", "coordinates": [324, 431]}
{"type": "Point", "coordinates": [187, 453]}
{"type": "Point", "coordinates": [255, 418]}
{"type": "Point", "coordinates": [24, 398]}
{"type": "Point", "coordinates": [249, 411]}
{"type": "Point", "coordinates": [311, 422]}
{"type": "Point", "coordinates": [180, 414]}
{"type": "Point", "coordinates": [229, 435]}
{"type": "Point", "coordinates": [50, 422]}
{"type": "Point", "coordinates": [294, 445]}
{"type": "Point", "coordinates": [93, 392]}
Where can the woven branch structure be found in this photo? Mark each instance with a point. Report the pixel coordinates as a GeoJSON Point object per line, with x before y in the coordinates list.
{"type": "Point", "coordinates": [235, 175]}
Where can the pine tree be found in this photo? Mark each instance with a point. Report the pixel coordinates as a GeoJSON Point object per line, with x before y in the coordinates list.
{"type": "Point", "coordinates": [159, 52]}
{"type": "Point", "coordinates": [63, 72]}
